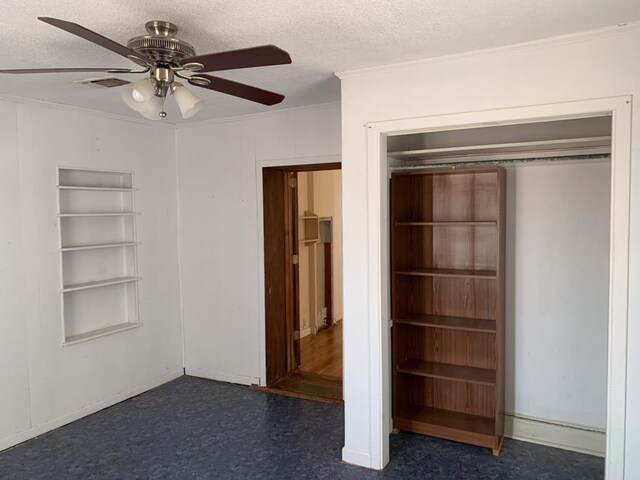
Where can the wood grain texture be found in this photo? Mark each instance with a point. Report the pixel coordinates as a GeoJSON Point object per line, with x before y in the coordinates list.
{"type": "Point", "coordinates": [447, 255]}
{"type": "Point", "coordinates": [455, 426]}
{"type": "Point", "coordinates": [275, 268]}
{"type": "Point", "coordinates": [452, 395]}
{"type": "Point", "coordinates": [310, 385]}
{"type": "Point", "coordinates": [454, 323]}
{"type": "Point", "coordinates": [446, 371]}
{"type": "Point", "coordinates": [322, 353]}
{"type": "Point", "coordinates": [292, 270]}
{"type": "Point", "coordinates": [447, 272]}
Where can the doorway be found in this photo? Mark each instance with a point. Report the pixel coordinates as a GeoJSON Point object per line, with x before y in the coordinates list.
{"type": "Point", "coordinates": [303, 280]}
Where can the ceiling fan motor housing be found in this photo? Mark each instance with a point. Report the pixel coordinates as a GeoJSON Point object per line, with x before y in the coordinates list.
{"type": "Point", "coordinates": [160, 43]}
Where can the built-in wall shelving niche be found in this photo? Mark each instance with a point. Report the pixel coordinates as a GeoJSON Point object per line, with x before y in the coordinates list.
{"type": "Point", "coordinates": [98, 253]}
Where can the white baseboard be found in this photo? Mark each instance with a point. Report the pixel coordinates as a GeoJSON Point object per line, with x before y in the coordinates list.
{"type": "Point", "coordinates": [222, 377]}
{"type": "Point", "coordinates": [356, 457]}
{"type": "Point", "coordinates": [305, 331]}
{"type": "Point", "coordinates": [576, 438]}
{"type": "Point", "coordinates": [36, 430]}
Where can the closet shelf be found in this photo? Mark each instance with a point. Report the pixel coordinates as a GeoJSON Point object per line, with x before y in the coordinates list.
{"type": "Point", "coordinates": [98, 246]}
{"type": "Point", "coordinates": [100, 332]}
{"type": "Point", "coordinates": [96, 189]}
{"type": "Point", "coordinates": [452, 425]}
{"type": "Point", "coordinates": [99, 283]}
{"type": "Point", "coordinates": [470, 223]}
{"type": "Point", "coordinates": [445, 322]}
{"type": "Point", "coordinates": [447, 272]}
{"type": "Point", "coordinates": [445, 371]}
{"type": "Point", "coordinates": [105, 214]}
{"type": "Point", "coordinates": [540, 148]}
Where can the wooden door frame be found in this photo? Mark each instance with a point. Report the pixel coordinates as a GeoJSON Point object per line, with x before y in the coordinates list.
{"type": "Point", "coordinates": [305, 164]}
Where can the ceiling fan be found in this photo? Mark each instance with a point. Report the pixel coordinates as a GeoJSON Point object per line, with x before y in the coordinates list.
{"type": "Point", "coordinates": [166, 57]}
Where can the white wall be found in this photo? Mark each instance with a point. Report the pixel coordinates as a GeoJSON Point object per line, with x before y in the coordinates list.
{"type": "Point", "coordinates": [327, 202]}
{"type": "Point", "coordinates": [557, 292]}
{"type": "Point", "coordinates": [45, 385]}
{"type": "Point", "coordinates": [575, 68]}
{"type": "Point", "coordinates": [220, 230]}
{"type": "Point", "coordinates": [306, 253]}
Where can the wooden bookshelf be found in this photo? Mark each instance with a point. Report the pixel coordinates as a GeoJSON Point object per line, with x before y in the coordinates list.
{"type": "Point", "coordinates": [483, 376]}
{"type": "Point", "coordinates": [447, 301]}
{"type": "Point", "coordinates": [453, 323]}
{"type": "Point", "coordinates": [447, 272]}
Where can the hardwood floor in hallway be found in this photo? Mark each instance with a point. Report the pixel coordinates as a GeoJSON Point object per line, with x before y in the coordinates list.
{"type": "Point", "coordinates": [319, 375]}
{"type": "Point", "coordinates": [322, 353]}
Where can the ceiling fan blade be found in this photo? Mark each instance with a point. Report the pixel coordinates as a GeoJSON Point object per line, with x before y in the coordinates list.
{"type": "Point", "coordinates": [66, 70]}
{"type": "Point", "coordinates": [245, 58]}
{"type": "Point", "coordinates": [94, 37]}
{"type": "Point", "coordinates": [236, 89]}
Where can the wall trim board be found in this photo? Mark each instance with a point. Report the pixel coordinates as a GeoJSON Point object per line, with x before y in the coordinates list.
{"type": "Point", "coordinates": [251, 116]}
{"type": "Point", "coordinates": [576, 438]}
{"type": "Point", "coordinates": [587, 35]}
{"type": "Point", "coordinates": [72, 108]}
{"type": "Point", "coordinates": [222, 377]}
{"type": "Point", "coordinates": [37, 430]}
{"type": "Point", "coordinates": [260, 164]}
{"type": "Point", "coordinates": [305, 332]}
{"type": "Point", "coordinates": [356, 457]}
{"type": "Point", "coordinates": [179, 241]}
{"type": "Point", "coordinates": [377, 291]}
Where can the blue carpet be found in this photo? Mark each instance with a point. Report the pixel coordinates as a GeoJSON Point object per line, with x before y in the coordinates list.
{"type": "Point", "coordinates": [199, 429]}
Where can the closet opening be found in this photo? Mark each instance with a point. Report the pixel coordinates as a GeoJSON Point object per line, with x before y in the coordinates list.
{"type": "Point", "coordinates": [303, 280]}
{"type": "Point", "coordinates": [499, 282]}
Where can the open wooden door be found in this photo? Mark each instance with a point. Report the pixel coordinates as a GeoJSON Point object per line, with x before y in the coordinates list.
{"type": "Point", "coordinates": [275, 260]}
{"type": "Point", "coordinates": [282, 319]}
{"type": "Point", "coordinates": [292, 205]}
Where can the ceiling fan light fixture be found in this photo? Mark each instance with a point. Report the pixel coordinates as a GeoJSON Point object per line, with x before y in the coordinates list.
{"type": "Point", "coordinates": [127, 96]}
{"type": "Point", "coordinates": [188, 102]}
{"type": "Point", "coordinates": [152, 109]}
{"type": "Point", "coordinates": [137, 96]}
{"type": "Point", "coordinates": [143, 90]}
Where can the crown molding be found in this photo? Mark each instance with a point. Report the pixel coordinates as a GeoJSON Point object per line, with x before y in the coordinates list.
{"type": "Point", "coordinates": [251, 116]}
{"type": "Point", "coordinates": [161, 123]}
{"type": "Point", "coordinates": [72, 108]}
{"type": "Point", "coordinates": [615, 30]}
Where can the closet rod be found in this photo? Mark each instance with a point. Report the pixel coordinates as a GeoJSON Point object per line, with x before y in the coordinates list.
{"type": "Point", "coordinates": [506, 162]}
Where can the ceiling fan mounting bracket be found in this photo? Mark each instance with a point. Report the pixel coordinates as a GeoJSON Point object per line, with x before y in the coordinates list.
{"type": "Point", "coordinates": [160, 44]}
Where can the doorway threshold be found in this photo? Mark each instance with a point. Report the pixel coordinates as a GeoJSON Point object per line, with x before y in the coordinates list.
{"type": "Point", "coordinates": [310, 386]}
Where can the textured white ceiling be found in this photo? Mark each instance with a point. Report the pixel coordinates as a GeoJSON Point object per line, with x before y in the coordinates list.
{"type": "Point", "coordinates": [322, 37]}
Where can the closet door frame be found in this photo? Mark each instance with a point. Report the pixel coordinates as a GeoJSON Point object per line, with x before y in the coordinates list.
{"type": "Point", "coordinates": [379, 317]}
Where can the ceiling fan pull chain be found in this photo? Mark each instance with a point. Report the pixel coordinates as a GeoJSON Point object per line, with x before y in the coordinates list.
{"type": "Point", "coordinates": [162, 113]}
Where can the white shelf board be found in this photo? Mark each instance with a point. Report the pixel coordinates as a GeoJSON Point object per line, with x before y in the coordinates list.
{"type": "Point", "coordinates": [568, 146]}
{"type": "Point", "coordinates": [103, 245]}
{"type": "Point", "coordinates": [101, 332]}
{"type": "Point", "coordinates": [99, 283]}
{"type": "Point", "coordinates": [97, 189]}
{"type": "Point", "coordinates": [106, 214]}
